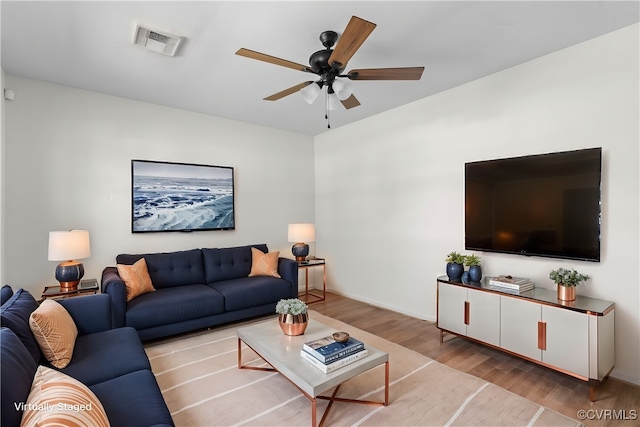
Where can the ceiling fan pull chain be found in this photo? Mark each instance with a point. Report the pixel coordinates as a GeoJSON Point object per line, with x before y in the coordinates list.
{"type": "Point", "coordinates": [327, 114]}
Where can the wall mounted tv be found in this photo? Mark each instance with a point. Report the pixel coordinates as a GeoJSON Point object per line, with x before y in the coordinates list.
{"type": "Point", "coordinates": [544, 205]}
{"type": "Point", "coordinates": [181, 197]}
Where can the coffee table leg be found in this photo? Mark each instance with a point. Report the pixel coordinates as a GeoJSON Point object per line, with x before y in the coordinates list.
{"type": "Point", "coordinates": [239, 353]}
{"type": "Point", "coordinates": [386, 383]}
{"type": "Point", "coordinates": [313, 412]}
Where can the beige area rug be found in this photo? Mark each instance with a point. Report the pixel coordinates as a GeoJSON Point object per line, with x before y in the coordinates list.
{"type": "Point", "coordinates": [203, 386]}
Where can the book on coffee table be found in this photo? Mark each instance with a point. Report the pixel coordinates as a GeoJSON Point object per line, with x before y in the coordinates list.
{"type": "Point", "coordinates": [328, 350]}
{"type": "Point", "coordinates": [330, 367]}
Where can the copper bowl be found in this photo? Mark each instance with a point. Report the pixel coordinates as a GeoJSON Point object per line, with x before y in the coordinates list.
{"type": "Point", "coordinates": [341, 336]}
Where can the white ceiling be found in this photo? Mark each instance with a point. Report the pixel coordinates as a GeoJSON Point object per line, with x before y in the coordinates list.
{"type": "Point", "coordinates": [87, 45]}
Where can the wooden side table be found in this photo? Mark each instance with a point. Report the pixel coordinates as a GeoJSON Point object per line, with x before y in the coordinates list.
{"type": "Point", "coordinates": [308, 296]}
{"type": "Point", "coordinates": [86, 287]}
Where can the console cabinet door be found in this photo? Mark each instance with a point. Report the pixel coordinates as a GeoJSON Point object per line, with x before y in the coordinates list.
{"type": "Point", "coordinates": [519, 326]}
{"type": "Point", "coordinates": [484, 316]}
{"type": "Point", "coordinates": [451, 301]}
{"type": "Point", "coordinates": [567, 342]}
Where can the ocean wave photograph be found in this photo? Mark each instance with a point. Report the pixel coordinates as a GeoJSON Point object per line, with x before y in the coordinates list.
{"type": "Point", "coordinates": [181, 197]}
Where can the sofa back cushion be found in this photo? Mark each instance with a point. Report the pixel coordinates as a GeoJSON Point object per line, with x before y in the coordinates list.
{"type": "Point", "coordinates": [17, 370]}
{"type": "Point", "coordinates": [228, 263]}
{"type": "Point", "coordinates": [169, 269]}
{"type": "Point", "coordinates": [5, 293]}
{"type": "Point", "coordinates": [15, 314]}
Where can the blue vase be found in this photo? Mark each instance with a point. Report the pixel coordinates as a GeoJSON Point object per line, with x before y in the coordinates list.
{"type": "Point", "coordinates": [465, 277]}
{"type": "Point", "coordinates": [475, 273]}
{"type": "Point", "coordinates": [454, 271]}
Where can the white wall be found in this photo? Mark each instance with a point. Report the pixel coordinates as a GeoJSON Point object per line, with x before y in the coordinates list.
{"type": "Point", "coordinates": [68, 166]}
{"type": "Point", "coordinates": [390, 190]}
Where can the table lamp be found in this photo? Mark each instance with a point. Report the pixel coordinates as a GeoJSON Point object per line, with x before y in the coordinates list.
{"type": "Point", "coordinates": [69, 246]}
{"type": "Point", "coordinates": [300, 234]}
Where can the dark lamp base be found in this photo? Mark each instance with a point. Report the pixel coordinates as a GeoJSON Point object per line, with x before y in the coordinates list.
{"type": "Point", "coordinates": [69, 273]}
{"type": "Point", "coordinates": [300, 251]}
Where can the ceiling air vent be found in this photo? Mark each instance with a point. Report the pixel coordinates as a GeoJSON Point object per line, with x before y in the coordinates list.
{"type": "Point", "coordinates": [157, 41]}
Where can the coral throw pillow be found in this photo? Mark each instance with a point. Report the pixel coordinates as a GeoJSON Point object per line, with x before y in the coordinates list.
{"type": "Point", "coordinates": [136, 278]}
{"type": "Point", "coordinates": [264, 264]}
{"type": "Point", "coordinates": [55, 331]}
{"type": "Point", "coordinates": [58, 399]}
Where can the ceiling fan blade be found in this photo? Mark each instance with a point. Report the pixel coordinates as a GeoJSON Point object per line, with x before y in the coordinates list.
{"type": "Point", "coordinates": [272, 59]}
{"type": "Point", "coordinates": [286, 92]}
{"type": "Point", "coordinates": [408, 73]}
{"type": "Point", "coordinates": [350, 102]}
{"type": "Point", "coordinates": [354, 35]}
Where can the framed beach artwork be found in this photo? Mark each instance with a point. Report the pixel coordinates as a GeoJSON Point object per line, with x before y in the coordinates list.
{"type": "Point", "coordinates": [181, 197]}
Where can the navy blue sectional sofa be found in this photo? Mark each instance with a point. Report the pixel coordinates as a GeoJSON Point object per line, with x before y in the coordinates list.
{"type": "Point", "coordinates": [196, 289]}
{"type": "Point", "coordinates": [111, 362]}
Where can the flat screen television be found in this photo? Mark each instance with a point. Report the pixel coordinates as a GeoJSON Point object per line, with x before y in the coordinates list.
{"type": "Point", "coordinates": [181, 197]}
{"type": "Point", "coordinates": [545, 205]}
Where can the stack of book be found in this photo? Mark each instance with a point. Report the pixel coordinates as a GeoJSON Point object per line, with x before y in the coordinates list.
{"type": "Point", "coordinates": [512, 285]}
{"type": "Point", "coordinates": [328, 355]}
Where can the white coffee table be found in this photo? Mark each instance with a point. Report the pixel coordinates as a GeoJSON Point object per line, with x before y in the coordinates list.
{"type": "Point", "coordinates": [282, 352]}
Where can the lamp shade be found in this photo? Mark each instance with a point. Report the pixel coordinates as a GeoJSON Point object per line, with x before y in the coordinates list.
{"type": "Point", "coordinates": [333, 103]}
{"type": "Point", "coordinates": [302, 233]}
{"type": "Point", "coordinates": [342, 89]}
{"type": "Point", "coordinates": [69, 245]}
{"type": "Point", "coordinates": [310, 92]}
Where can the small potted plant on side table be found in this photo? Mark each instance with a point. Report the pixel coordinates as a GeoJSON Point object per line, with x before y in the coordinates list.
{"type": "Point", "coordinates": [475, 271]}
{"type": "Point", "coordinates": [293, 317]}
{"type": "Point", "coordinates": [455, 265]}
{"type": "Point", "coordinates": [567, 280]}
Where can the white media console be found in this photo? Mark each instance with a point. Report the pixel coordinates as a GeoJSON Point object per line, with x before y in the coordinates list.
{"type": "Point", "coordinates": [573, 337]}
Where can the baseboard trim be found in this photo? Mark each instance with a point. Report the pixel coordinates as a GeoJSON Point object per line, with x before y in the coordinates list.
{"type": "Point", "coordinates": [385, 306]}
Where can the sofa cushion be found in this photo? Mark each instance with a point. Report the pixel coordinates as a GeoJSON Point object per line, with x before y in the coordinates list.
{"type": "Point", "coordinates": [228, 263]}
{"type": "Point", "coordinates": [17, 371]}
{"type": "Point", "coordinates": [55, 332]}
{"type": "Point", "coordinates": [5, 293]}
{"type": "Point", "coordinates": [264, 264]}
{"type": "Point", "coordinates": [105, 355]}
{"type": "Point", "coordinates": [171, 268]}
{"type": "Point", "coordinates": [67, 402]}
{"type": "Point", "coordinates": [136, 278]}
{"type": "Point", "coordinates": [134, 400]}
{"type": "Point", "coordinates": [14, 314]}
{"type": "Point", "coordinates": [170, 305]}
{"type": "Point", "coordinates": [252, 291]}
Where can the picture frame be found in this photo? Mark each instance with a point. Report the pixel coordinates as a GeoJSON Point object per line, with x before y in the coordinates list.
{"type": "Point", "coordinates": [167, 196]}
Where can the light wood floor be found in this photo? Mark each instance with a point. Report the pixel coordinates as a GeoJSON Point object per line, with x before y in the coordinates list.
{"type": "Point", "coordinates": [615, 399]}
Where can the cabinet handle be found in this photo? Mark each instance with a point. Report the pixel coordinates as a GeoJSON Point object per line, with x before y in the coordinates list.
{"type": "Point", "coordinates": [542, 335]}
{"type": "Point", "coordinates": [466, 312]}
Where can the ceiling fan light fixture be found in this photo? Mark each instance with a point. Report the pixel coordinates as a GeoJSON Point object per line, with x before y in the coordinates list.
{"type": "Point", "coordinates": [311, 92]}
{"type": "Point", "coordinates": [333, 103]}
{"type": "Point", "coordinates": [342, 89]}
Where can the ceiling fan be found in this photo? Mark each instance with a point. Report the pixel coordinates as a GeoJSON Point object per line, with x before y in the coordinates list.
{"type": "Point", "coordinates": [329, 64]}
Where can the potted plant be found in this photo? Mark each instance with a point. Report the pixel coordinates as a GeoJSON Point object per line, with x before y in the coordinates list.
{"type": "Point", "coordinates": [567, 280]}
{"type": "Point", "coordinates": [475, 271]}
{"type": "Point", "coordinates": [292, 316]}
{"type": "Point", "coordinates": [455, 265]}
